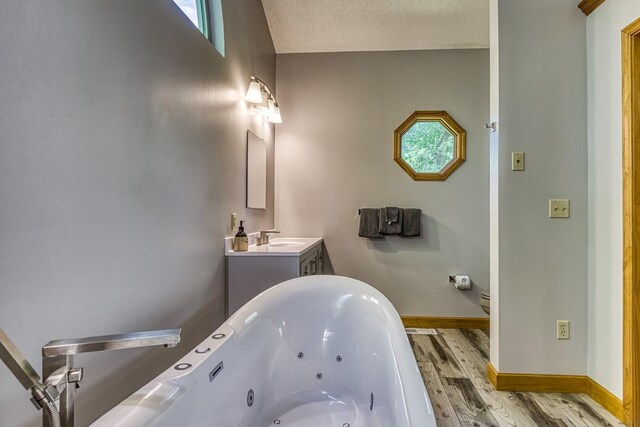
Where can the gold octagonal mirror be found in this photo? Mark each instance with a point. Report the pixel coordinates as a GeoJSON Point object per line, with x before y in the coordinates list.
{"type": "Point", "coordinates": [429, 145]}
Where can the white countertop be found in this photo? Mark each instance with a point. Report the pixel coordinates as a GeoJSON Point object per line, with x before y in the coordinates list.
{"type": "Point", "coordinates": [281, 246]}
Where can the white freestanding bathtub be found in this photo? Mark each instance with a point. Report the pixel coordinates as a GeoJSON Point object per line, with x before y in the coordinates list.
{"type": "Point", "coordinates": [316, 351]}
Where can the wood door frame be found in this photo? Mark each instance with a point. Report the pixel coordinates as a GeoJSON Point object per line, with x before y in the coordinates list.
{"type": "Point", "coordinates": [631, 220]}
{"type": "Point", "coordinates": [588, 6]}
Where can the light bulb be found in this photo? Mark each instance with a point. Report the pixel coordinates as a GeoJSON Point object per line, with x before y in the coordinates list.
{"type": "Point", "coordinates": [254, 94]}
{"type": "Point", "coordinates": [275, 117]}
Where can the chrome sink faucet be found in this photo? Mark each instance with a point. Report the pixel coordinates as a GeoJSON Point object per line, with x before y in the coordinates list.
{"type": "Point", "coordinates": [263, 239]}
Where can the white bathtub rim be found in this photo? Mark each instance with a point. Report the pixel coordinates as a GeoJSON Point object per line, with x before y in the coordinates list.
{"type": "Point", "coordinates": [140, 403]}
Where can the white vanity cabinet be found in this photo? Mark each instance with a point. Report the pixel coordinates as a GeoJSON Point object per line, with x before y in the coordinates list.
{"type": "Point", "coordinates": [252, 272]}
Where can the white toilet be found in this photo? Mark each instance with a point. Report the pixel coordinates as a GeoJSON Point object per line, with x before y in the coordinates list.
{"type": "Point", "coordinates": [484, 301]}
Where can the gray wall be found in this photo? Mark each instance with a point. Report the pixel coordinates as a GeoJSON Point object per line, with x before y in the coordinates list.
{"type": "Point", "coordinates": [123, 140]}
{"type": "Point", "coordinates": [543, 112]}
{"type": "Point", "coordinates": [334, 154]}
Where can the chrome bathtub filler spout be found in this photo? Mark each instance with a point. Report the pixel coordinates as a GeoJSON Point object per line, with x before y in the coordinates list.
{"type": "Point", "coordinates": [61, 377]}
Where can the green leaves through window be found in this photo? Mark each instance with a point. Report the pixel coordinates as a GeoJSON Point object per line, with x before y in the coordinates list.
{"type": "Point", "coordinates": [429, 145]}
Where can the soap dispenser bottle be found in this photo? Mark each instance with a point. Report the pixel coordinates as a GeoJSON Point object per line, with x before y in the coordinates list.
{"type": "Point", "coordinates": [241, 241]}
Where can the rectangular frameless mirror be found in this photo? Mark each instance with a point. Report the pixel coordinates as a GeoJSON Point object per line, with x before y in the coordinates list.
{"type": "Point", "coordinates": [256, 172]}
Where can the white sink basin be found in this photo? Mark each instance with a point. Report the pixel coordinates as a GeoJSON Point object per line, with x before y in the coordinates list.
{"type": "Point", "coordinates": [285, 244]}
{"type": "Point", "coordinates": [279, 246]}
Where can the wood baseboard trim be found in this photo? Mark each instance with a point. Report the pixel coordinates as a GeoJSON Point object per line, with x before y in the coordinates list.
{"type": "Point", "coordinates": [605, 398]}
{"type": "Point", "coordinates": [542, 383]}
{"type": "Point", "coordinates": [446, 322]}
{"type": "Point", "coordinates": [588, 6]}
{"type": "Point", "coordinates": [492, 375]}
{"type": "Point", "coordinates": [536, 382]}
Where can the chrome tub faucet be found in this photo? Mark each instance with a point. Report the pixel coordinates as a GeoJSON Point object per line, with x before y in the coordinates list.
{"type": "Point", "coordinates": [57, 356]}
{"type": "Point", "coordinates": [44, 396]}
{"type": "Point", "coordinates": [61, 378]}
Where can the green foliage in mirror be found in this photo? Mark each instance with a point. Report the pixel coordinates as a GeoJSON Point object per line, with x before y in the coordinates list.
{"type": "Point", "coordinates": [427, 147]}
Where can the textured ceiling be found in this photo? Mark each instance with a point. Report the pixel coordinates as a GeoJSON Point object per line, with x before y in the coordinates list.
{"type": "Point", "coordinates": [373, 25]}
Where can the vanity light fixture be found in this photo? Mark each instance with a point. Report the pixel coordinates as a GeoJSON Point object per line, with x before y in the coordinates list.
{"type": "Point", "coordinates": [263, 99]}
{"type": "Point", "coordinates": [275, 117]}
{"type": "Point", "coordinates": [254, 94]}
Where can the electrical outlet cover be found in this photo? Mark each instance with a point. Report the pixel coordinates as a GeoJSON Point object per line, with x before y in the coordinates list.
{"type": "Point", "coordinates": [562, 330]}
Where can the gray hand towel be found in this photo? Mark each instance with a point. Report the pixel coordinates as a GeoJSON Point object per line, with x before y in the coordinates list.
{"type": "Point", "coordinates": [392, 214]}
{"type": "Point", "coordinates": [411, 222]}
{"type": "Point", "coordinates": [369, 218]}
{"type": "Point", "coordinates": [390, 220]}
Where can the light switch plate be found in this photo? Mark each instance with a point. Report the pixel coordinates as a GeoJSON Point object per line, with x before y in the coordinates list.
{"type": "Point", "coordinates": [558, 208]}
{"type": "Point", "coordinates": [517, 161]}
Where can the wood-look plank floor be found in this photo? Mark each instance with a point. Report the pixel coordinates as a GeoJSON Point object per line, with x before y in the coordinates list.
{"type": "Point", "coordinates": [453, 364]}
